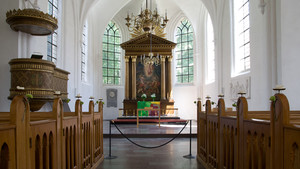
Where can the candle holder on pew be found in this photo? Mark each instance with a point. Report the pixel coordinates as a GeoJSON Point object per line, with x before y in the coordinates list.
{"type": "Point", "coordinates": [242, 93]}
{"type": "Point", "coordinates": [278, 88]}
{"type": "Point", "coordinates": [208, 97]}
{"type": "Point", "coordinates": [78, 96]}
{"type": "Point", "coordinates": [57, 94]}
{"type": "Point", "coordinates": [221, 96]}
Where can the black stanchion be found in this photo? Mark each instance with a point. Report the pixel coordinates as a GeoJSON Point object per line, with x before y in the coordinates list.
{"type": "Point", "coordinates": [110, 156]}
{"type": "Point", "coordinates": [190, 156]}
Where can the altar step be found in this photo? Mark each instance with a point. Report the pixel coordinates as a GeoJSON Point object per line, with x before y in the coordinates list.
{"type": "Point", "coordinates": [148, 117]}
{"type": "Point", "coordinates": [155, 119]}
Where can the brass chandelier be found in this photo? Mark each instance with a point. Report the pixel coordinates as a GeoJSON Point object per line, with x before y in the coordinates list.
{"type": "Point", "coordinates": [147, 20]}
{"type": "Point", "coordinates": [151, 60]}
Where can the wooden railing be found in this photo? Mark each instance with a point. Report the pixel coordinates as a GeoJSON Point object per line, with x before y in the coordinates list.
{"type": "Point", "coordinates": [50, 140]}
{"type": "Point", "coordinates": [156, 113]}
{"type": "Point", "coordinates": [248, 139]}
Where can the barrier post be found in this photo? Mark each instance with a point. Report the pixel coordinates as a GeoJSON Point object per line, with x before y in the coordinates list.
{"type": "Point", "coordinates": [109, 155]}
{"type": "Point", "coordinates": [190, 156]}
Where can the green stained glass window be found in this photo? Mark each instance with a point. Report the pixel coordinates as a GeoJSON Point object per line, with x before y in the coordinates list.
{"type": "Point", "coordinates": [111, 53]}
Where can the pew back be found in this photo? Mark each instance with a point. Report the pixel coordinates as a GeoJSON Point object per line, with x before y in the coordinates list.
{"type": "Point", "coordinates": [32, 140]}
{"type": "Point", "coordinates": [248, 139]}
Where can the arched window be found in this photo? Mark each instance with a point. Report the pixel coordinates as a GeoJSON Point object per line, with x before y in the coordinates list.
{"type": "Point", "coordinates": [241, 36]}
{"type": "Point", "coordinates": [210, 51]}
{"type": "Point", "coordinates": [184, 52]}
{"type": "Point", "coordinates": [111, 53]}
{"type": "Point", "coordinates": [84, 51]}
{"type": "Point", "coordinates": [52, 40]}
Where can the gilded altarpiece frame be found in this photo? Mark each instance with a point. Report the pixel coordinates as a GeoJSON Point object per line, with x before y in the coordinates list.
{"type": "Point", "coordinates": [157, 80]}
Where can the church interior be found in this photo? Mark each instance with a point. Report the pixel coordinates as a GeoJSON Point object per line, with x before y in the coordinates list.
{"type": "Point", "coordinates": [71, 68]}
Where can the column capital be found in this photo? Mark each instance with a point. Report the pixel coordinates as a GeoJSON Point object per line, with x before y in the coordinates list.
{"type": "Point", "coordinates": [133, 58]}
{"type": "Point", "coordinates": [170, 58]}
{"type": "Point", "coordinates": [163, 58]}
{"type": "Point", "coordinates": [127, 58]}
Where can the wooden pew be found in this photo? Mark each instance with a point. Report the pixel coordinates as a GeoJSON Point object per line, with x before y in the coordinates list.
{"type": "Point", "coordinates": [51, 139]}
{"type": "Point", "coordinates": [248, 139]}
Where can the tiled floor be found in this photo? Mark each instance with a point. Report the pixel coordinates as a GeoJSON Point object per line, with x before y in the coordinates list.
{"type": "Point", "coordinates": [130, 156]}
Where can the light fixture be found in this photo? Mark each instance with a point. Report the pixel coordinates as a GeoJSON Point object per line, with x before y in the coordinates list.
{"type": "Point", "coordinates": [147, 20]}
{"type": "Point", "coordinates": [150, 59]}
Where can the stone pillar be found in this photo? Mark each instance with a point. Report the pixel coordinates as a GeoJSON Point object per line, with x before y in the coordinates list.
{"type": "Point", "coordinates": [133, 60]}
{"type": "Point", "coordinates": [163, 77]}
{"type": "Point", "coordinates": [127, 77]}
{"type": "Point", "coordinates": [170, 90]}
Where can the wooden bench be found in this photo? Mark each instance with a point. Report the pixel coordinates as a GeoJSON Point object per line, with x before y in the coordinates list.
{"type": "Point", "coordinates": [248, 139]}
{"type": "Point", "coordinates": [51, 139]}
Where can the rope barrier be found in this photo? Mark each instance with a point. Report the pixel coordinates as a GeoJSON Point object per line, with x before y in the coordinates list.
{"type": "Point", "coordinates": [149, 146]}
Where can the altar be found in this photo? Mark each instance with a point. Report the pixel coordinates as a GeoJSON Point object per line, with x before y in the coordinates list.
{"type": "Point", "coordinates": [153, 106]}
{"type": "Point", "coordinates": [148, 78]}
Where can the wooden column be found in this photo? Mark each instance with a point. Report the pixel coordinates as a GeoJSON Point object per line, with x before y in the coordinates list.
{"type": "Point", "coordinates": [133, 60]}
{"type": "Point", "coordinates": [127, 77]}
{"type": "Point", "coordinates": [169, 92]}
{"type": "Point", "coordinates": [163, 77]}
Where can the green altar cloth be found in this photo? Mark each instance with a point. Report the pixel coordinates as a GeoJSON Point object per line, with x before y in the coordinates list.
{"type": "Point", "coordinates": [147, 104]}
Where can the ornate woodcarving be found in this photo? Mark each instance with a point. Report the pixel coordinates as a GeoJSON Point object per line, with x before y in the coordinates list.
{"type": "Point", "coordinates": [38, 77]}
{"type": "Point", "coordinates": [31, 21]}
{"type": "Point", "coordinates": [136, 47]}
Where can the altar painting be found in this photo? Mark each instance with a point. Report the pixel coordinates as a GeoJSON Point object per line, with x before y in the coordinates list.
{"type": "Point", "coordinates": [148, 80]}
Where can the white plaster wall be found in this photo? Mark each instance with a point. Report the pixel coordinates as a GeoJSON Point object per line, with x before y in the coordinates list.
{"type": "Point", "coordinates": [260, 74]}
{"type": "Point", "coordinates": [290, 50]}
{"type": "Point", "coordinates": [99, 22]}
{"type": "Point", "coordinates": [9, 50]}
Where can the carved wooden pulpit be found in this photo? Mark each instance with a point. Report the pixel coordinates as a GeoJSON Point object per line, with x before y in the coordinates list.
{"type": "Point", "coordinates": [144, 78]}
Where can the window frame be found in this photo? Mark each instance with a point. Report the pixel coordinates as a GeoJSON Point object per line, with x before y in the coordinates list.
{"type": "Point", "coordinates": [240, 56]}
{"type": "Point", "coordinates": [189, 50]}
{"type": "Point", "coordinates": [84, 52]}
{"type": "Point", "coordinates": [107, 52]}
{"type": "Point", "coordinates": [52, 40]}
